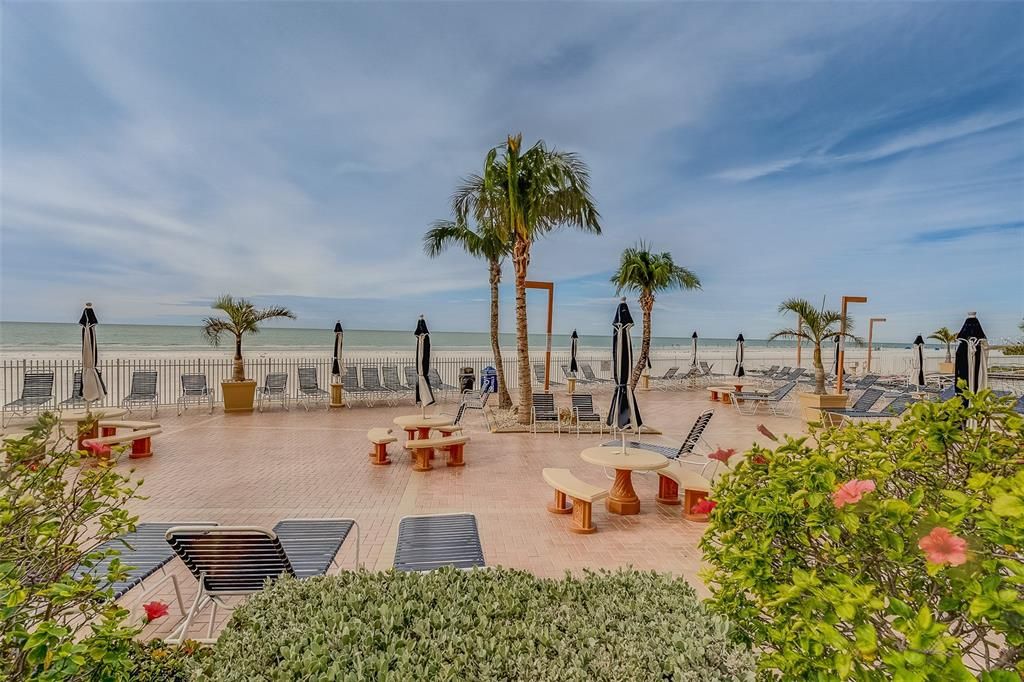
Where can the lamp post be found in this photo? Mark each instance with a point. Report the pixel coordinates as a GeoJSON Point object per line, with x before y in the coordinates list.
{"type": "Point", "coordinates": [842, 338]}
{"type": "Point", "coordinates": [871, 333]}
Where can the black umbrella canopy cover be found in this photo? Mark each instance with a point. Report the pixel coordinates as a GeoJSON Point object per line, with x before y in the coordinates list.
{"type": "Point", "coordinates": [919, 340]}
{"type": "Point", "coordinates": [88, 316]}
{"type": "Point", "coordinates": [971, 329]}
{"type": "Point", "coordinates": [335, 365]}
{"type": "Point", "coordinates": [424, 392]}
{"type": "Point", "coordinates": [574, 340]}
{"type": "Point", "coordinates": [739, 371]}
{"type": "Point", "coordinates": [623, 412]}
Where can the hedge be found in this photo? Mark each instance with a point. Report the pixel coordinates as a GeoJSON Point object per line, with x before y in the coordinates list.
{"type": "Point", "coordinates": [495, 624]}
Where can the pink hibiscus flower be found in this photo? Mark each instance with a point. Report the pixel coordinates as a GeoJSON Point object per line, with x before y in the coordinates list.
{"type": "Point", "coordinates": [722, 454]}
{"type": "Point", "coordinates": [704, 506]}
{"type": "Point", "coordinates": [942, 547]}
{"type": "Point", "coordinates": [851, 492]}
{"type": "Point", "coordinates": [154, 610]}
{"type": "Point", "coordinates": [763, 430]}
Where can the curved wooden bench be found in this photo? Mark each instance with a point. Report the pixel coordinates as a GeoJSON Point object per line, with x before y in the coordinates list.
{"type": "Point", "coordinates": [142, 445]}
{"type": "Point", "coordinates": [380, 438]}
{"type": "Point", "coordinates": [583, 496]}
{"type": "Point", "coordinates": [695, 486]}
{"type": "Point", "coordinates": [423, 447]}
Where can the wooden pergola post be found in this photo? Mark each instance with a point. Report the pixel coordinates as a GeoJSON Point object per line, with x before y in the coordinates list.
{"type": "Point", "coordinates": [871, 334]}
{"type": "Point", "coordinates": [550, 287]}
{"type": "Point", "coordinates": [842, 339]}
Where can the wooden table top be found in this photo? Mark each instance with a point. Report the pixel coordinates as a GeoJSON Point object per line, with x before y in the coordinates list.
{"type": "Point", "coordinates": [98, 413]}
{"type": "Point", "coordinates": [634, 459]}
{"type": "Point", "coordinates": [415, 421]}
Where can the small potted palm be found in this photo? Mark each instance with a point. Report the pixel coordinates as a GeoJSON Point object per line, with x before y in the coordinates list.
{"type": "Point", "coordinates": [944, 335]}
{"type": "Point", "coordinates": [241, 318]}
{"type": "Point", "coordinates": [816, 326]}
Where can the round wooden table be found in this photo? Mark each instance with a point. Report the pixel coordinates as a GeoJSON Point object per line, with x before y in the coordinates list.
{"type": "Point", "coordinates": [622, 498]}
{"type": "Point", "coordinates": [90, 418]}
{"type": "Point", "coordinates": [418, 427]}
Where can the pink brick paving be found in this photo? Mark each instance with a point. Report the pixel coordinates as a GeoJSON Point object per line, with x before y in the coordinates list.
{"type": "Point", "coordinates": [261, 468]}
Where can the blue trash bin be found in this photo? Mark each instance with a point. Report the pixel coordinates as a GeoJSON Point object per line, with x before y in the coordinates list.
{"type": "Point", "coordinates": [489, 380]}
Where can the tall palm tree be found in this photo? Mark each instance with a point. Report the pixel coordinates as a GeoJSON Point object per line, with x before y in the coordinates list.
{"type": "Point", "coordinates": [528, 194]}
{"type": "Point", "coordinates": [488, 244]}
{"type": "Point", "coordinates": [944, 335]}
{"type": "Point", "coordinates": [817, 326]}
{"type": "Point", "coordinates": [649, 273]}
{"type": "Point", "coordinates": [242, 318]}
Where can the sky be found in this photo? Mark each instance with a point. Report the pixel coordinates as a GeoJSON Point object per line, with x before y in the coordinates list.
{"type": "Point", "coordinates": [155, 155]}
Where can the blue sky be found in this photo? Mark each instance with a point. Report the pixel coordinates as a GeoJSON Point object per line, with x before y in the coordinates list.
{"type": "Point", "coordinates": [157, 154]}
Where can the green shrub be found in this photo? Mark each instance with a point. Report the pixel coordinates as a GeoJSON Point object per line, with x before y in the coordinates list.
{"type": "Point", "coordinates": [880, 551]}
{"type": "Point", "coordinates": [478, 625]}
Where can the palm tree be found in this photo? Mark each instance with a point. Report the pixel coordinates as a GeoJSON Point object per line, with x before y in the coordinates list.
{"type": "Point", "coordinates": [817, 326]}
{"type": "Point", "coordinates": [944, 335]}
{"type": "Point", "coordinates": [242, 318]}
{"type": "Point", "coordinates": [486, 243]}
{"type": "Point", "coordinates": [526, 195]}
{"type": "Point", "coordinates": [648, 273]}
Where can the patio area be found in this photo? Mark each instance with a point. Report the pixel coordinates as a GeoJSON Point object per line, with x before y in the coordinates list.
{"type": "Point", "coordinates": [259, 469]}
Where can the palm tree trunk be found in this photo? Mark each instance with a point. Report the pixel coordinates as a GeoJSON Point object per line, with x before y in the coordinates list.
{"type": "Point", "coordinates": [819, 371]}
{"type": "Point", "coordinates": [949, 355]}
{"type": "Point", "coordinates": [504, 399]}
{"type": "Point", "coordinates": [521, 260]}
{"type": "Point", "coordinates": [238, 370]}
{"type": "Point", "coordinates": [646, 305]}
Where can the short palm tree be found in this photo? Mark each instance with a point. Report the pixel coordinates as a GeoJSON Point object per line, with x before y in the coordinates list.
{"type": "Point", "coordinates": [528, 194]}
{"type": "Point", "coordinates": [649, 273]}
{"type": "Point", "coordinates": [488, 244]}
{"type": "Point", "coordinates": [242, 318]}
{"type": "Point", "coordinates": [944, 335]}
{"type": "Point", "coordinates": [817, 326]}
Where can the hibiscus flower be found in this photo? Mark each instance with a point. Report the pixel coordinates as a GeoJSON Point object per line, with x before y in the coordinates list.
{"type": "Point", "coordinates": [722, 454]}
{"type": "Point", "coordinates": [154, 610]}
{"type": "Point", "coordinates": [763, 430]}
{"type": "Point", "coordinates": [851, 492]}
{"type": "Point", "coordinates": [942, 547]}
{"type": "Point", "coordinates": [704, 506]}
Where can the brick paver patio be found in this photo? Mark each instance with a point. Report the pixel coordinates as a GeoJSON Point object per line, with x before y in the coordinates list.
{"type": "Point", "coordinates": [258, 469]}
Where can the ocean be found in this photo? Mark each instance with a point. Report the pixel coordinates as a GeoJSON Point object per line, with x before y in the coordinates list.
{"type": "Point", "coordinates": [35, 339]}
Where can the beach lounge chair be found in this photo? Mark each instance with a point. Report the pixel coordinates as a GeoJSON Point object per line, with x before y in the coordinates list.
{"type": "Point", "coordinates": [665, 380]}
{"type": "Point", "coordinates": [437, 383]}
{"type": "Point", "coordinates": [478, 403]}
{"type": "Point", "coordinates": [705, 373]}
{"type": "Point", "coordinates": [864, 403]}
{"type": "Point", "coordinates": [538, 375]}
{"type": "Point", "coordinates": [36, 391]}
{"type": "Point", "coordinates": [583, 411]}
{"type": "Point", "coordinates": [765, 372]}
{"type": "Point", "coordinates": [1018, 406]}
{"type": "Point", "coordinates": [544, 412]}
{"type": "Point", "coordinates": [275, 387]}
{"type": "Point", "coordinates": [142, 392]}
{"type": "Point", "coordinates": [371, 382]}
{"type": "Point", "coordinates": [428, 542]}
{"type": "Point", "coordinates": [411, 378]}
{"type": "Point", "coordinates": [393, 382]}
{"type": "Point", "coordinates": [685, 448]}
{"type": "Point", "coordinates": [238, 560]}
{"type": "Point", "coordinates": [194, 389]}
{"type": "Point", "coordinates": [778, 401]}
{"type": "Point", "coordinates": [895, 408]}
{"type": "Point", "coordinates": [143, 551]}
{"type": "Point", "coordinates": [573, 375]}
{"type": "Point", "coordinates": [76, 399]}
{"type": "Point", "coordinates": [353, 391]}
{"type": "Point", "coordinates": [588, 372]}
{"type": "Point", "coordinates": [309, 389]}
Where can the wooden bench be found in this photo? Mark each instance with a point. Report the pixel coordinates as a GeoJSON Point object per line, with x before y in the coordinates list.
{"type": "Point", "coordinates": [141, 440]}
{"type": "Point", "coordinates": [695, 487]}
{"type": "Point", "coordinates": [422, 449]}
{"type": "Point", "coordinates": [583, 496]}
{"type": "Point", "coordinates": [721, 393]}
{"type": "Point", "coordinates": [379, 439]}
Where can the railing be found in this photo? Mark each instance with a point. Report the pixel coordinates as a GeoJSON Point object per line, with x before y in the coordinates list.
{"type": "Point", "coordinates": [117, 373]}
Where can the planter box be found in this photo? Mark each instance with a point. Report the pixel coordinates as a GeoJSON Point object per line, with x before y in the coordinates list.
{"type": "Point", "coordinates": [811, 405]}
{"type": "Point", "coordinates": [945, 368]}
{"type": "Point", "coordinates": [238, 395]}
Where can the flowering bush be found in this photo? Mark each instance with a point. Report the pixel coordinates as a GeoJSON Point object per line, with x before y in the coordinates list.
{"type": "Point", "coordinates": [880, 551]}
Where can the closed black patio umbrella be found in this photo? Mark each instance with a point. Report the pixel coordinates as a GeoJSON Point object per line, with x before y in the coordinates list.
{"type": "Point", "coordinates": [339, 337]}
{"type": "Point", "coordinates": [623, 413]}
{"type": "Point", "coordinates": [93, 388]}
{"type": "Point", "coordinates": [971, 356]}
{"type": "Point", "coordinates": [738, 369]}
{"type": "Point", "coordinates": [835, 358]}
{"type": "Point", "coordinates": [917, 362]}
{"type": "Point", "coordinates": [574, 342]}
{"type": "Point", "coordinates": [424, 393]}
{"type": "Point", "coordinates": [693, 350]}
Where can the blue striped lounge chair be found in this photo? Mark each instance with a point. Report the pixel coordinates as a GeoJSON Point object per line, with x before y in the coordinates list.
{"type": "Point", "coordinates": [238, 560]}
{"type": "Point", "coordinates": [778, 401]}
{"type": "Point", "coordinates": [142, 392]}
{"type": "Point", "coordinates": [309, 389]}
{"type": "Point", "coordinates": [685, 449]}
{"type": "Point", "coordinates": [426, 543]}
{"type": "Point", "coordinates": [274, 388]}
{"type": "Point", "coordinates": [36, 391]}
{"type": "Point", "coordinates": [371, 382]}
{"type": "Point", "coordinates": [583, 412]}
{"type": "Point", "coordinates": [544, 412]}
{"type": "Point", "coordinates": [194, 390]}
{"type": "Point", "coordinates": [76, 399]}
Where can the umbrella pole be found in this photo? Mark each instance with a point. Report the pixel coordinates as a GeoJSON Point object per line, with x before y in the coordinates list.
{"type": "Point", "coordinates": [623, 441]}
